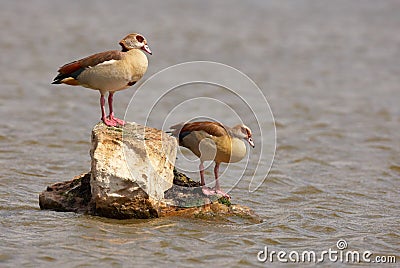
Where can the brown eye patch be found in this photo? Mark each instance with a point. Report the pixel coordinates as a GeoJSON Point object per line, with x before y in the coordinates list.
{"type": "Point", "coordinates": [247, 131]}
{"type": "Point", "coordinates": [139, 38]}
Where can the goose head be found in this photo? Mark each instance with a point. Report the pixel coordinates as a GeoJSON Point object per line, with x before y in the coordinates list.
{"type": "Point", "coordinates": [134, 41]}
{"type": "Point", "coordinates": [243, 132]}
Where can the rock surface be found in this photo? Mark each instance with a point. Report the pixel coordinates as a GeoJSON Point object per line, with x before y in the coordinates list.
{"type": "Point", "coordinates": [131, 169]}
{"type": "Point", "coordinates": [70, 196]}
{"type": "Point", "coordinates": [132, 176]}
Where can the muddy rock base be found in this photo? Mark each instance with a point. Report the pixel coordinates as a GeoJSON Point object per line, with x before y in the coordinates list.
{"type": "Point", "coordinates": [184, 199]}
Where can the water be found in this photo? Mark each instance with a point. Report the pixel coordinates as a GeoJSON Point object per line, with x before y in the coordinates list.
{"type": "Point", "coordinates": [329, 70]}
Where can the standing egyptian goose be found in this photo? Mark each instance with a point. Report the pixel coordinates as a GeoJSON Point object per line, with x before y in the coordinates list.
{"type": "Point", "coordinates": [213, 141]}
{"type": "Point", "coordinates": [108, 71]}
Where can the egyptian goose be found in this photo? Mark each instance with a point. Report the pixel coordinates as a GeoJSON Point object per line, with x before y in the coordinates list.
{"type": "Point", "coordinates": [213, 141]}
{"type": "Point", "coordinates": [108, 71]}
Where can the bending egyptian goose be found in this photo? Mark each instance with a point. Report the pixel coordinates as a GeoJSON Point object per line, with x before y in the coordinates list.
{"type": "Point", "coordinates": [213, 141]}
{"type": "Point", "coordinates": [108, 71]}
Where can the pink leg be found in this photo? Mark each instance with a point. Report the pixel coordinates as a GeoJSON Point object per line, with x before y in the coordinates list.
{"type": "Point", "coordinates": [201, 168]}
{"type": "Point", "coordinates": [110, 106]}
{"type": "Point", "coordinates": [206, 190]}
{"type": "Point", "coordinates": [106, 121]}
{"type": "Point", "coordinates": [217, 188]}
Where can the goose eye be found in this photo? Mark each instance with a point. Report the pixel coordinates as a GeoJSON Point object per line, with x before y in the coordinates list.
{"type": "Point", "coordinates": [139, 38]}
{"type": "Point", "coordinates": [247, 131]}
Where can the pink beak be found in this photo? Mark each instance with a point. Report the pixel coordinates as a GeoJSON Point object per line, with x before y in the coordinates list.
{"type": "Point", "coordinates": [147, 49]}
{"type": "Point", "coordinates": [251, 142]}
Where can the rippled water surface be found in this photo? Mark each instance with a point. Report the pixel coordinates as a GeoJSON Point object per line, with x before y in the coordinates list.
{"type": "Point", "coordinates": [330, 72]}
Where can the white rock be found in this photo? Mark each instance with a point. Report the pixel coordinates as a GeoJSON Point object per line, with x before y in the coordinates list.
{"type": "Point", "coordinates": [130, 165]}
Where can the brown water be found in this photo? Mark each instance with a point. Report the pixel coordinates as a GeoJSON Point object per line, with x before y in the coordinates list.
{"type": "Point", "coordinates": [330, 71]}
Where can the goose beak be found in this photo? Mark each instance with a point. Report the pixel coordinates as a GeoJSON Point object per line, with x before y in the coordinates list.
{"type": "Point", "coordinates": [147, 49]}
{"type": "Point", "coordinates": [251, 142]}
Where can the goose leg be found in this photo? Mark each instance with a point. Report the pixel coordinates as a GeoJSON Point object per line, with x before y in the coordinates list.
{"type": "Point", "coordinates": [206, 190]}
{"type": "Point", "coordinates": [104, 118]}
{"type": "Point", "coordinates": [201, 168]}
{"type": "Point", "coordinates": [217, 188]}
{"type": "Point", "coordinates": [110, 106]}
